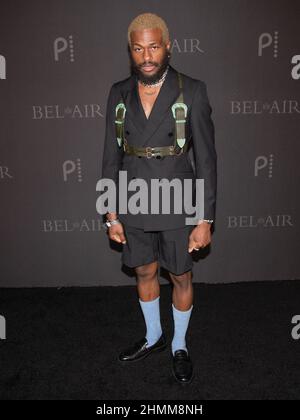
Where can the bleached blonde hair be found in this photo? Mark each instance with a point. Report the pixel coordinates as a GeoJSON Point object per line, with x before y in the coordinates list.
{"type": "Point", "coordinates": [148, 21]}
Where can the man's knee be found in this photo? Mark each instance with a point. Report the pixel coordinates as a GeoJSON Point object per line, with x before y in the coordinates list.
{"type": "Point", "coordinates": [147, 271]}
{"type": "Point", "coordinates": [181, 280]}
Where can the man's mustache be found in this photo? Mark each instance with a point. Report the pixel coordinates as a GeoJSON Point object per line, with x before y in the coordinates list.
{"type": "Point", "coordinates": [148, 64]}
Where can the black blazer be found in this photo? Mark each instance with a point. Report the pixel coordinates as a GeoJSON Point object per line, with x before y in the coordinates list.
{"type": "Point", "coordinates": [159, 130]}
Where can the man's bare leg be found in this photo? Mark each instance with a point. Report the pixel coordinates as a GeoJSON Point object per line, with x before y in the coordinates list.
{"type": "Point", "coordinates": [182, 308]}
{"type": "Point", "coordinates": [149, 298]}
{"type": "Point", "coordinates": [183, 293]}
{"type": "Point", "coordinates": [147, 281]}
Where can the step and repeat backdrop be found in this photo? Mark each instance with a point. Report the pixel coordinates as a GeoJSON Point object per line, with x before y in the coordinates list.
{"type": "Point", "coordinates": [58, 60]}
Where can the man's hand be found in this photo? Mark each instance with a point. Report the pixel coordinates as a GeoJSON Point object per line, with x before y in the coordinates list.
{"type": "Point", "coordinates": [116, 233]}
{"type": "Point", "coordinates": [200, 236]}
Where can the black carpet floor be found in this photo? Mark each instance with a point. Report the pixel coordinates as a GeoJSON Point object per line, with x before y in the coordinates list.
{"type": "Point", "coordinates": [63, 344]}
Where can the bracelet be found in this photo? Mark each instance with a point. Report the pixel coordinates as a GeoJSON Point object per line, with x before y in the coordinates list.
{"type": "Point", "coordinates": [109, 223]}
{"type": "Point", "coordinates": [112, 222]}
{"type": "Point", "coordinates": [204, 220]}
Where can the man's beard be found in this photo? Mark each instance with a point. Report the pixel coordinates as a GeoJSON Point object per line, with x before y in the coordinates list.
{"type": "Point", "coordinates": [136, 69]}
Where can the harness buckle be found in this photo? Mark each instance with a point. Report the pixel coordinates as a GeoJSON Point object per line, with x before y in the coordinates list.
{"type": "Point", "coordinates": [120, 105]}
{"type": "Point", "coordinates": [149, 152]}
{"type": "Point", "coordinates": [179, 105]}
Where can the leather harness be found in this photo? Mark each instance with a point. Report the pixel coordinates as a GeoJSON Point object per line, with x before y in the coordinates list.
{"type": "Point", "coordinates": [179, 111]}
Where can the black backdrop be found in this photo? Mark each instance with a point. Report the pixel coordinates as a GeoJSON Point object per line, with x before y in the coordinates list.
{"type": "Point", "coordinates": [58, 61]}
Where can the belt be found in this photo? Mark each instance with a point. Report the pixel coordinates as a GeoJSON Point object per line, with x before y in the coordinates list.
{"type": "Point", "coordinates": [157, 152]}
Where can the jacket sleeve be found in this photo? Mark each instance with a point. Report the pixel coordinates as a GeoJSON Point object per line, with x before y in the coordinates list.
{"type": "Point", "coordinates": [203, 135]}
{"type": "Point", "coordinates": [112, 153]}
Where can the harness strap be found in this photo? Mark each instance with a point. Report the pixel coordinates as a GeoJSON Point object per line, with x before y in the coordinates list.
{"type": "Point", "coordinates": [179, 111]}
{"type": "Point", "coordinates": [156, 152]}
{"type": "Point", "coordinates": [119, 122]}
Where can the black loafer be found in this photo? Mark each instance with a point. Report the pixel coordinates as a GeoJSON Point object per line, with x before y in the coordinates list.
{"type": "Point", "coordinates": [139, 350]}
{"type": "Point", "coordinates": [182, 366]}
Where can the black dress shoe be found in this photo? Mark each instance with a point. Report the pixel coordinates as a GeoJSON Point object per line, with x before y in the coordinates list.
{"type": "Point", "coordinates": [182, 366]}
{"type": "Point", "coordinates": [139, 350]}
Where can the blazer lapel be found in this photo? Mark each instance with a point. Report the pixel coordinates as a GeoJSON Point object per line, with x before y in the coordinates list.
{"type": "Point", "coordinates": [167, 95]}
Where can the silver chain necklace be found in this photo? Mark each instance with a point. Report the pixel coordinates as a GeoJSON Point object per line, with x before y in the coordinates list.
{"type": "Point", "coordinates": [158, 82]}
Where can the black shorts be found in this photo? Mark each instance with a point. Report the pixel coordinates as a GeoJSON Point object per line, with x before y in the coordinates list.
{"type": "Point", "coordinates": [168, 247]}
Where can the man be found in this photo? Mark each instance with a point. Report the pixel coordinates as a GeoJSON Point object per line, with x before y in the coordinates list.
{"type": "Point", "coordinates": [154, 145]}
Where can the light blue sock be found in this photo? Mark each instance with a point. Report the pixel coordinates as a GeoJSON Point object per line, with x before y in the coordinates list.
{"type": "Point", "coordinates": [151, 313]}
{"type": "Point", "coordinates": [181, 322]}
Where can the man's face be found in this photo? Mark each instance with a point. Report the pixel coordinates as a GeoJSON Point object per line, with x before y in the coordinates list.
{"type": "Point", "coordinates": [148, 54]}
